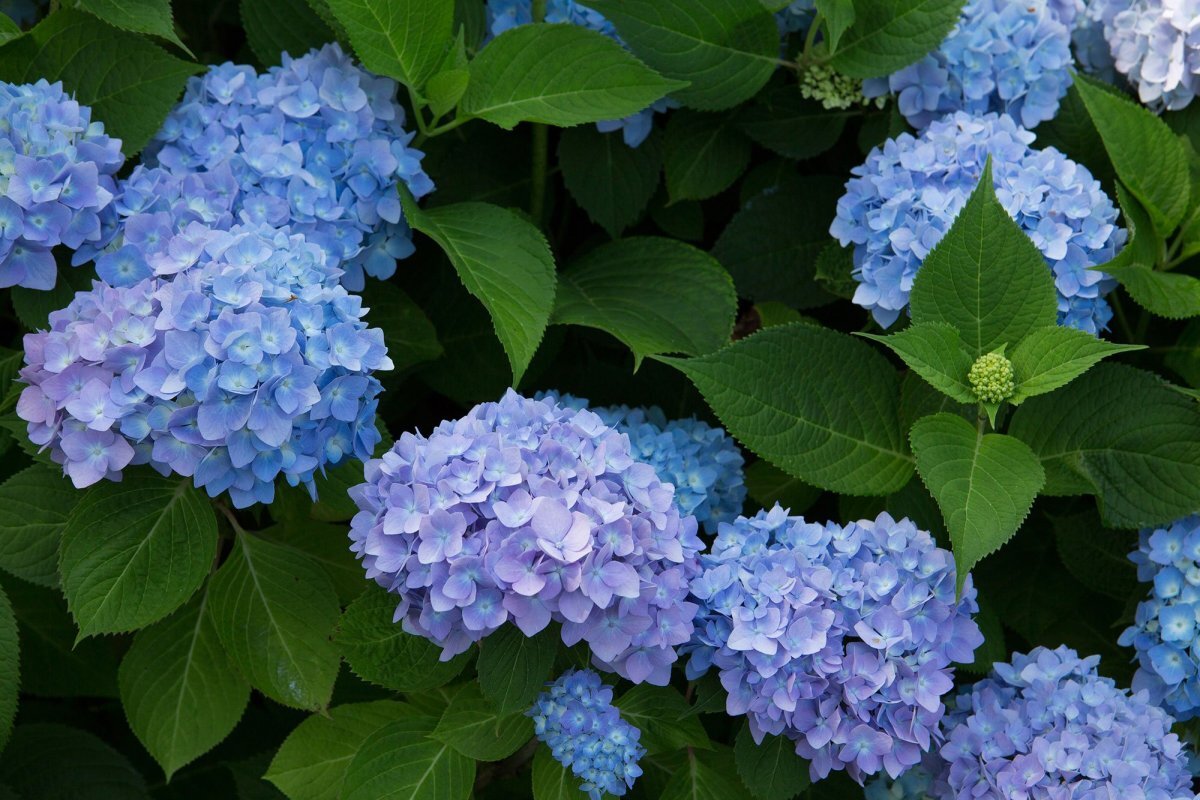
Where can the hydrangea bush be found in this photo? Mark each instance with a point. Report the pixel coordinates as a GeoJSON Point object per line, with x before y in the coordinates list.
{"type": "Point", "coordinates": [886, 317]}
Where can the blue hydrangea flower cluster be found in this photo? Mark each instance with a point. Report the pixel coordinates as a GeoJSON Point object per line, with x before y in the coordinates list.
{"type": "Point", "coordinates": [506, 14]}
{"type": "Point", "coordinates": [576, 719]}
{"type": "Point", "coordinates": [531, 511]}
{"type": "Point", "coordinates": [1003, 56]}
{"type": "Point", "coordinates": [1047, 726]}
{"type": "Point", "coordinates": [252, 362]}
{"type": "Point", "coordinates": [1166, 629]}
{"type": "Point", "coordinates": [56, 180]}
{"type": "Point", "coordinates": [905, 197]}
{"type": "Point", "coordinates": [1154, 44]}
{"type": "Point", "coordinates": [796, 16]}
{"type": "Point", "coordinates": [316, 145]}
{"type": "Point", "coordinates": [838, 637]}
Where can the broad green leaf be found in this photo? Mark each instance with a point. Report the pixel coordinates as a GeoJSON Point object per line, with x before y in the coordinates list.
{"type": "Point", "coordinates": [275, 611]}
{"type": "Point", "coordinates": [1122, 434]}
{"type": "Point", "coordinates": [1072, 132]}
{"type": "Point", "coordinates": [984, 483]}
{"type": "Point", "coordinates": [705, 154]}
{"type": "Point", "coordinates": [770, 770]}
{"type": "Point", "coordinates": [379, 651]}
{"type": "Point", "coordinates": [934, 351]}
{"type": "Point", "coordinates": [275, 27]}
{"type": "Point", "coordinates": [819, 404]}
{"type": "Point", "coordinates": [403, 39]}
{"type": "Point", "coordinates": [49, 761]}
{"type": "Point", "coordinates": [400, 762]}
{"type": "Point", "coordinates": [312, 761]}
{"type": "Point", "coordinates": [1147, 156]}
{"type": "Point", "coordinates": [656, 295]}
{"type": "Point", "coordinates": [449, 83]}
{"type": "Point", "coordinates": [34, 306]}
{"type": "Point", "coordinates": [661, 714]}
{"type": "Point", "coordinates": [473, 727]}
{"type": "Point", "coordinates": [133, 552]}
{"type": "Point", "coordinates": [1165, 294]}
{"type": "Point", "coordinates": [725, 49]}
{"type": "Point", "coordinates": [130, 82]}
{"type": "Point", "coordinates": [504, 261]}
{"type": "Point", "coordinates": [985, 277]}
{"type": "Point", "coordinates": [10, 668]}
{"type": "Point", "coordinates": [561, 75]}
{"type": "Point", "coordinates": [890, 34]}
{"type": "Point", "coordinates": [328, 546]}
{"type": "Point", "coordinates": [610, 180]}
{"type": "Point", "coordinates": [407, 332]}
{"type": "Point", "coordinates": [513, 668]}
{"type": "Point", "coordinates": [34, 506]}
{"type": "Point", "coordinates": [780, 119]}
{"type": "Point", "coordinates": [138, 16]}
{"type": "Point", "coordinates": [180, 692]}
{"type": "Point", "coordinates": [767, 485]}
{"type": "Point", "coordinates": [1052, 357]}
{"type": "Point", "coordinates": [704, 776]}
{"type": "Point", "coordinates": [325, 12]}
{"type": "Point", "coordinates": [834, 270]}
{"type": "Point", "coordinates": [551, 780]}
{"type": "Point", "coordinates": [8, 29]}
{"type": "Point", "coordinates": [839, 15]}
{"type": "Point", "coordinates": [1098, 558]}
{"type": "Point", "coordinates": [1144, 246]}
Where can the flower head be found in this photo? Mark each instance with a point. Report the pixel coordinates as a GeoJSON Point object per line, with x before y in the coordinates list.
{"type": "Point", "coordinates": [991, 378]}
{"type": "Point", "coordinates": [906, 196]}
{"type": "Point", "coordinates": [1154, 44]}
{"type": "Point", "coordinates": [796, 16]}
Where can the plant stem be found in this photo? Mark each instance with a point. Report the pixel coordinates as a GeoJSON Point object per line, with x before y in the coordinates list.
{"type": "Point", "coordinates": [806, 56]}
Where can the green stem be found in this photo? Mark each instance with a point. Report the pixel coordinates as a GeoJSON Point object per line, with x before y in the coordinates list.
{"type": "Point", "coordinates": [810, 39]}
{"type": "Point", "coordinates": [1122, 320]}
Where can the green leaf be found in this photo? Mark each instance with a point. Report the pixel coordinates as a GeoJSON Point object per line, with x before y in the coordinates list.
{"type": "Point", "coordinates": [403, 39]}
{"type": "Point", "coordinates": [274, 27]}
{"type": "Point", "coordinates": [985, 277]}
{"type": "Point", "coordinates": [780, 119]}
{"type": "Point", "coordinates": [561, 75]}
{"type": "Point", "coordinates": [55, 762]}
{"type": "Point", "coordinates": [400, 762]}
{"type": "Point", "coordinates": [767, 485]}
{"type": "Point", "coordinates": [138, 16]}
{"type": "Point", "coordinates": [133, 552]}
{"type": "Point", "coordinates": [312, 761]}
{"type": "Point", "coordinates": [34, 506]}
{"type": "Point", "coordinates": [551, 780]}
{"type": "Point", "coordinates": [1049, 358]}
{"type": "Point", "coordinates": [326, 545]}
{"type": "Point", "coordinates": [1098, 558]}
{"type": "Point", "coordinates": [473, 727]}
{"type": "Point", "coordinates": [181, 693]}
{"type": "Point", "coordinates": [10, 668]}
{"type": "Point", "coordinates": [1148, 157]}
{"type": "Point", "coordinates": [890, 34]}
{"type": "Point", "coordinates": [839, 15]}
{"type": "Point", "coordinates": [449, 83]}
{"type": "Point", "coordinates": [705, 154]}
{"type": "Point", "coordinates": [834, 271]}
{"type": "Point", "coordinates": [656, 295]}
{"type": "Point", "coordinates": [725, 49]}
{"type": "Point", "coordinates": [1122, 434]}
{"type": "Point", "coordinates": [274, 611]}
{"type": "Point", "coordinates": [130, 82]}
{"type": "Point", "coordinates": [513, 668]}
{"type": "Point", "coordinates": [661, 714]}
{"type": "Point", "coordinates": [819, 404]}
{"type": "Point", "coordinates": [609, 180]}
{"type": "Point", "coordinates": [378, 650]}
{"type": "Point", "coordinates": [705, 776]}
{"type": "Point", "coordinates": [34, 306]}
{"type": "Point", "coordinates": [409, 335]}
{"type": "Point", "coordinates": [1166, 294]}
{"type": "Point", "coordinates": [984, 483]}
{"type": "Point", "coordinates": [8, 29]}
{"type": "Point", "coordinates": [934, 351]}
{"type": "Point", "coordinates": [771, 770]}
{"type": "Point", "coordinates": [504, 261]}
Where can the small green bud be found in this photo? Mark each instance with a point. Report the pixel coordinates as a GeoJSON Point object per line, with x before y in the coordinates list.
{"type": "Point", "coordinates": [991, 378]}
{"type": "Point", "coordinates": [833, 90]}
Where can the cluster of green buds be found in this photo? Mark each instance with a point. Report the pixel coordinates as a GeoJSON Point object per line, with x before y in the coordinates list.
{"type": "Point", "coordinates": [991, 378]}
{"type": "Point", "coordinates": [834, 90]}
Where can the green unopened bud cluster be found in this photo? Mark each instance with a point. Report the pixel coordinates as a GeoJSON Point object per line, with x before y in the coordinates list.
{"type": "Point", "coordinates": [991, 378]}
{"type": "Point", "coordinates": [833, 90]}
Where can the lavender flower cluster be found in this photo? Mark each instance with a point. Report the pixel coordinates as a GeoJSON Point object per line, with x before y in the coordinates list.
{"type": "Point", "coordinates": [1003, 56]}
{"type": "Point", "coordinates": [1166, 629]}
{"type": "Point", "coordinates": [1154, 44]}
{"type": "Point", "coordinates": [528, 511]}
{"type": "Point", "coordinates": [56, 180]}
{"type": "Point", "coordinates": [1047, 726]}
{"type": "Point", "coordinates": [576, 719]}
{"type": "Point", "coordinates": [840, 638]}
{"type": "Point", "coordinates": [506, 14]}
{"type": "Point", "coordinates": [250, 363]}
{"type": "Point", "coordinates": [905, 197]}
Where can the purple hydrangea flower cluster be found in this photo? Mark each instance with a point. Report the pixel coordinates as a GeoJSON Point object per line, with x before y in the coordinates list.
{"type": "Point", "coordinates": [1166, 629]}
{"type": "Point", "coordinates": [506, 14]}
{"type": "Point", "coordinates": [839, 637]}
{"type": "Point", "coordinates": [1003, 56]}
{"type": "Point", "coordinates": [316, 145]}
{"type": "Point", "coordinates": [1154, 44]}
{"type": "Point", "coordinates": [250, 363]}
{"type": "Point", "coordinates": [56, 180]}
{"type": "Point", "coordinates": [1047, 726]}
{"type": "Point", "coordinates": [528, 511]}
{"type": "Point", "coordinates": [576, 719]}
{"type": "Point", "coordinates": [905, 197]}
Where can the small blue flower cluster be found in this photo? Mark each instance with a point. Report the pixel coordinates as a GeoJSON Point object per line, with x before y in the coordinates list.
{"type": "Point", "coordinates": [905, 197]}
{"type": "Point", "coordinates": [531, 511]}
{"type": "Point", "coordinates": [1154, 44]}
{"type": "Point", "coordinates": [840, 638]}
{"type": "Point", "coordinates": [1048, 727]}
{"type": "Point", "coordinates": [1003, 56]}
{"type": "Point", "coordinates": [506, 14]}
{"type": "Point", "coordinates": [576, 719]}
{"type": "Point", "coordinates": [250, 363]}
{"type": "Point", "coordinates": [56, 180]}
{"type": "Point", "coordinates": [1166, 629]}
{"type": "Point", "coordinates": [316, 145]}
{"type": "Point", "coordinates": [796, 16]}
